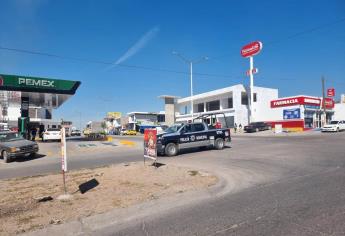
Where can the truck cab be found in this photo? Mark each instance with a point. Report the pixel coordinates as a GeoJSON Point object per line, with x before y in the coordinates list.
{"type": "Point", "coordinates": [191, 135]}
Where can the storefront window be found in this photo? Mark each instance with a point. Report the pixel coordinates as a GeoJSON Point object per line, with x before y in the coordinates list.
{"type": "Point", "coordinates": [230, 103]}
{"type": "Point", "coordinates": [308, 119]}
{"type": "Point", "coordinates": [244, 98]}
{"type": "Point", "coordinates": [201, 107]}
{"type": "Point", "coordinates": [213, 106]}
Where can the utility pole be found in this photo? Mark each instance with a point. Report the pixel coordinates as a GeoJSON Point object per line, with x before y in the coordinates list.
{"type": "Point", "coordinates": [190, 62]}
{"type": "Point", "coordinates": [323, 100]}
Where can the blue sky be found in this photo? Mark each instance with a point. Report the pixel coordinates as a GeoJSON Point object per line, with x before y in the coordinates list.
{"type": "Point", "coordinates": [144, 33]}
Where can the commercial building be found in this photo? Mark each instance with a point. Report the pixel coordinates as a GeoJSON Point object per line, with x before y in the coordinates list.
{"type": "Point", "coordinates": [233, 101]}
{"type": "Point", "coordinates": [33, 97]}
{"type": "Point", "coordinates": [137, 119]}
{"type": "Point", "coordinates": [295, 113]}
{"type": "Point", "coordinates": [300, 113]}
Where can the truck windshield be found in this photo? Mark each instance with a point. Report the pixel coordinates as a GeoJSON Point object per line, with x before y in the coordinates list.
{"type": "Point", "coordinates": [7, 137]}
{"type": "Point", "coordinates": [173, 129]}
{"type": "Point", "coordinates": [334, 122]}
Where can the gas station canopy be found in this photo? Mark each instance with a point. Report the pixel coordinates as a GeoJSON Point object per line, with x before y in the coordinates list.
{"type": "Point", "coordinates": [37, 85]}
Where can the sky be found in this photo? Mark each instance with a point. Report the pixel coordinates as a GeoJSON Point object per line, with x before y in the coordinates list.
{"type": "Point", "coordinates": [126, 48]}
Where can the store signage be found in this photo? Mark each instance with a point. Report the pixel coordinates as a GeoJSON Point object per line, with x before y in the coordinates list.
{"type": "Point", "coordinates": [328, 103]}
{"type": "Point", "coordinates": [314, 107]}
{"type": "Point", "coordinates": [35, 84]}
{"type": "Point", "coordinates": [251, 49]}
{"type": "Point", "coordinates": [291, 114]}
{"type": "Point", "coordinates": [330, 92]}
{"type": "Point", "coordinates": [301, 100]}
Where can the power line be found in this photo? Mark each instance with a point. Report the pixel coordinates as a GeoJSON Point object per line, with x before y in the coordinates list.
{"type": "Point", "coordinates": [106, 62]}
{"type": "Point", "coordinates": [160, 69]}
{"type": "Point", "coordinates": [291, 36]}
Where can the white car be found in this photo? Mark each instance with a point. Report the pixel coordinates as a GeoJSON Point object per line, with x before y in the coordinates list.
{"type": "Point", "coordinates": [51, 134]}
{"type": "Point", "coordinates": [334, 126]}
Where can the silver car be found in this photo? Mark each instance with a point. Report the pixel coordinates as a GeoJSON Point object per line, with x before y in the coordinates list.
{"type": "Point", "coordinates": [13, 145]}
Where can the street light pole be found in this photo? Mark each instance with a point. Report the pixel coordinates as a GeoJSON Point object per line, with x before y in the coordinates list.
{"type": "Point", "coordinates": [191, 90]}
{"type": "Point", "coordinates": [190, 62]}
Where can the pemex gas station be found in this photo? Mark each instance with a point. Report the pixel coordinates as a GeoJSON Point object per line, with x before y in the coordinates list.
{"type": "Point", "coordinates": [28, 102]}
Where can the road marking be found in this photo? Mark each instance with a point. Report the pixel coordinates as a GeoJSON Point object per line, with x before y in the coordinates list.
{"type": "Point", "coordinates": [127, 143]}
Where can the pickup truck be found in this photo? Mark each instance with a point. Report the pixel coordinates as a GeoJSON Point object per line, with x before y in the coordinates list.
{"type": "Point", "coordinates": [191, 135]}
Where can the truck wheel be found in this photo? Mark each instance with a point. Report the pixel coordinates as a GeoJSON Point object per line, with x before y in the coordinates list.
{"type": "Point", "coordinates": [219, 144]}
{"type": "Point", "coordinates": [5, 156]}
{"type": "Point", "coordinates": [171, 150]}
{"type": "Point", "coordinates": [338, 129]}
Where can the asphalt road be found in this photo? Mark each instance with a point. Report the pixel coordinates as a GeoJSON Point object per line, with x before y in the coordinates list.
{"type": "Point", "coordinates": [90, 155]}
{"type": "Point", "coordinates": [302, 192]}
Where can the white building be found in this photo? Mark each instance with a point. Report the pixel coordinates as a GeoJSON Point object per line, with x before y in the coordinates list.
{"type": "Point", "coordinates": [339, 111]}
{"type": "Point", "coordinates": [232, 101]}
{"type": "Point", "coordinates": [137, 119]}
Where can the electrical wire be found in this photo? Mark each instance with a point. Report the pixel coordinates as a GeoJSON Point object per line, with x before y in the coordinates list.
{"type": "Point", "coordinates": [163, 69]}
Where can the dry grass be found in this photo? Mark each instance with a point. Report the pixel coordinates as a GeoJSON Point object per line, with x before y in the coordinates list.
{"type": "Point", "coordinates": [119, 186]}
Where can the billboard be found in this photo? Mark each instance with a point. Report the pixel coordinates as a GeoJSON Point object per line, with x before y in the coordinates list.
{"type": "Point", "coordinates": [291, 114]}
{"type": "Point", "coordinates": [114, 115]}
{"type": "Point", "coordinates": [150, 143]}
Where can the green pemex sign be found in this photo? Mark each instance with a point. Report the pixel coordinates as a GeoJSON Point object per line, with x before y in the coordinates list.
{"type": "Point", "coordinates": [35, 84]}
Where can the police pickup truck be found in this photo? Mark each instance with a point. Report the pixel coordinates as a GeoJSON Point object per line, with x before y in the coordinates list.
{"type": "Point", "coordinates": [191, 135]}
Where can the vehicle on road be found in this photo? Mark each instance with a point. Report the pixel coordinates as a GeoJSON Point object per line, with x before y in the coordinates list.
{"type": "Point", "coordinates": [191, 135]}
{"type": "Point", "coordinates": [94, 129]}
{"type": "Point", "coordinates": [13, 145]}
{"type": "Point", "coordinates": [51, 134]}
{"type": "Point", "coordinates": [334, 126]}
{"type": "Point", "coordinates": [130, 132]}
{"type": "Point", "coordinates": [76, 133]}
{"type": "Point", "coordinates": [256, 127]}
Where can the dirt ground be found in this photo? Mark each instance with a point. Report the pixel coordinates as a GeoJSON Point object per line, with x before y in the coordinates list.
{"type": "Point", "coordinates": [119, 186]}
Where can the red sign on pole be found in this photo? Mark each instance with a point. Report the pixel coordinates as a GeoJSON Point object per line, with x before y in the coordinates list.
{"type": "Point", "coordinates": [251, 49]}
{"type": "Point", "coordinates": [328, 103]}
{"type": "Point", "coordinates": [330, 92]}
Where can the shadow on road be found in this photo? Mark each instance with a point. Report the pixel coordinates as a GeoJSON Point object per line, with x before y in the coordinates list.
{"type": "Point", "coordinates": [29, 158]}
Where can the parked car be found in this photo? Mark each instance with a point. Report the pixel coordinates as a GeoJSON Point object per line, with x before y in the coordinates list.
{"type": "Point", "coordinates": [256, 127]}
{"type": "Point", "coordinates": [130, 132]}
{"type": "Point", "coordinates": [75, 132]}
{"type": "Point", "coordinates": [51, 134]}
{"type": "Point", "coordinates": [334, 126]}
{"type": "Point", "coordinates": [191, 135]}
{"type": "Point", "coordinates": [13, 145]}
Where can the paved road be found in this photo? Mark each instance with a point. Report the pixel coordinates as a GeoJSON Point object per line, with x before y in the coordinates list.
{"type": "Point", "coordinates": [302, 192]}
{"type": "Point", "coordinates": [284, 185]}
{"type": "Point", "coordinates": [81, 154]}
